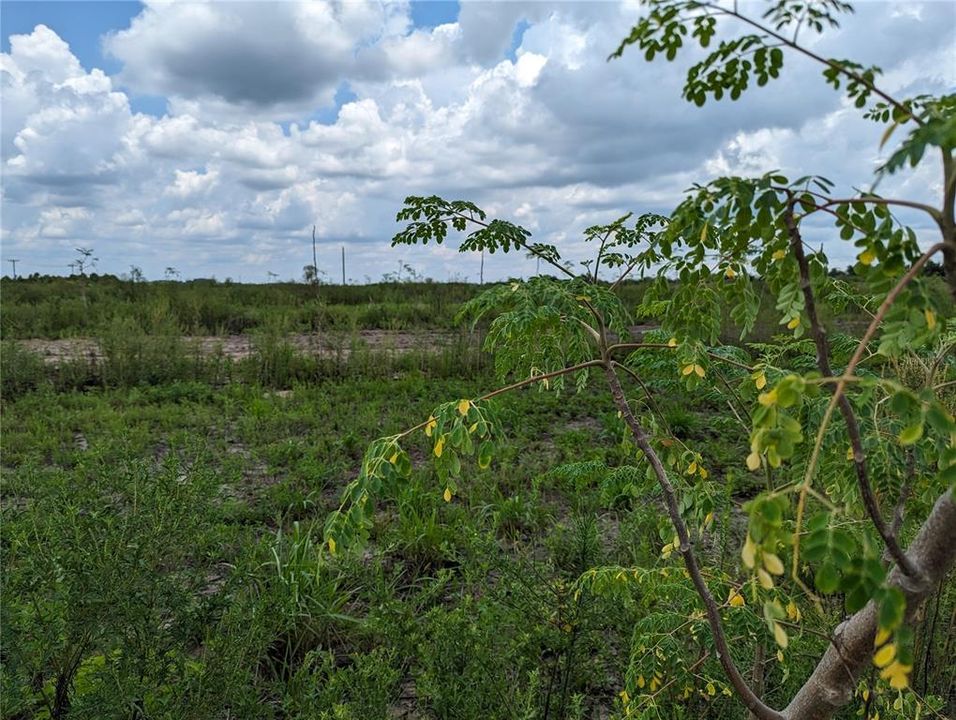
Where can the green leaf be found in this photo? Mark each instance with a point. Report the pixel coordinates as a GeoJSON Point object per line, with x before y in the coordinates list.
{"type": "Point", "coordinates": [911, 434]}
{"type": "Point", "coordinates": [827, 579]}
{"type": "Point", "coordinates": [892, 608]}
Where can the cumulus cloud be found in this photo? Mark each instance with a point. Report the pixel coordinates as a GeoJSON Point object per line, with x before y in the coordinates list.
{"type": "Point", "coordinates": [231, 180]}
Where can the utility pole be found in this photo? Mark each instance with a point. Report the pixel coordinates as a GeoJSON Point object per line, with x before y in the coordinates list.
{"type": "Point", "coordinates": [343, 264]}
{"type": "Point", "coordinates": [315, 263]}
{"type": "Point", "coordinates": [481, 272]}
{"type": "Point", "coordinates": [13, 261]}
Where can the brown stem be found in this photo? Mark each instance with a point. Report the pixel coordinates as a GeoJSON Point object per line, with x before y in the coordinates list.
{"type": "Point", "coordinates": [627, 271]}
{"type": "Point", "coordinates": [514, 386]}
{"type": "Point", "coordinates": [756, 674]}
{"type": "Point", "coordinates": [534, 252]}
{"type": "Point", "coordinates": [864, 200]}
{"type": "Point", "coordinates": [852, 425]}
{"type": "Point", "coordinates": [749, 698]}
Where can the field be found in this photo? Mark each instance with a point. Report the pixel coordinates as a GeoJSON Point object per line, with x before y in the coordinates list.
{"type": "Point", "coordinates": [171, 452]}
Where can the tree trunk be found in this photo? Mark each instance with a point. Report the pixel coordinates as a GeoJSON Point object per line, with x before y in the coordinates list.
{"type": "Point", "coordinates": [833, 682]}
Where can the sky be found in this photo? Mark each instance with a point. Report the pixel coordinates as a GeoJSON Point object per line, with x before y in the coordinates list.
{"type": "Point", "coordinates": [211, 137]}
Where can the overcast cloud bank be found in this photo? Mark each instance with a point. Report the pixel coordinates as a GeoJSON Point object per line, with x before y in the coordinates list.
{"type": "Point", "coordinates": [549, 134]}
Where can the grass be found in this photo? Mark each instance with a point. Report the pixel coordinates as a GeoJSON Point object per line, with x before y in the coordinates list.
{"type": "Point", "coordinates": [163, 535]}
{"type": "Point", "coordinates": [161, 510]}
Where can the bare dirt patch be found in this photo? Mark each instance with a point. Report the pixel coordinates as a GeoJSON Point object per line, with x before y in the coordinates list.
{"type": "Point", "coordinates": [237, 347]}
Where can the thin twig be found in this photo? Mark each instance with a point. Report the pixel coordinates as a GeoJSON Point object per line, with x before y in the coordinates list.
{"type": "Point", "coordinates": [518, 243]}
{"type": "Point", "coordinates": [813, 56]}
{"type": "Point", "coordinates": [842, 382]}
{"type": "Point", "coordinates": [665, 346]}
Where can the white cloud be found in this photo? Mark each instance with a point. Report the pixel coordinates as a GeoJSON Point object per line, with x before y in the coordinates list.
{"type": "Point", "coordinates": [557, 139]}
{"type": "Point", "coordinates": [189, 183]}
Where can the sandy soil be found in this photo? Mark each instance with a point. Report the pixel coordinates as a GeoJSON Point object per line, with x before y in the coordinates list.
{"type": "Point", "coordinates": [236, 347]}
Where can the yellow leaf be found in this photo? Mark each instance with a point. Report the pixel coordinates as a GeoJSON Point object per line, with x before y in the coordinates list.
{"type": "Point", "coordinates": [930, 318]}
{"type": "Point", "coordinates": [884, 656]}
{"type": "Point", "coordinates": [763, 577]}
{"type": "Point", "coordinates": [748, 553]}
{"type": "Point", "coordinates": [672, 342]}
{"type": "Point", "coordinates": [430, 425]}
{"type": "Point", "coordinates": [773, 564]}
{"type": "Point", "coordinates": [687, 370]}
{"type": "Point", "coordinates": [897, 675]}
{"type": "Point", "coordinates": [753, 461]}
{"type": "Point", "coordinates": [780, 636]}
{"type": "Point", "coordinates": [881, 637]}
{"type": "Point", "coordinates": [699, 370]}
{"type": "Point", "coordinates": [692, 468]}
{"type": "Point", "coordinates": [708, 518]}
{"type": "Point", "coordinates": [625, 698]}
{"type": "Point", "coordinates": [793, 612]}
{"type": "Point", "coordinates": [640, 681]}
{"type": "Point", "coordinates": [703, 233]}
{"type": "Point", "coordinates": [736, 599]}
{"type": "Point", "coordinates": [779, 655]}
{"type": "Point", "coordinates": [332, 546]}
{"type": "Point", "coordinates": [440, 446]}
{"type": "Point", "coordinates": [474, 426]}
{"type": "Point", "coordinates": [793, 324]}
{"type": "Point", "coordinates": [711, 690]}
{"type": "Point", "coordinates": [866, 257]}
{"type": "Point", "coordinates": [464, 406]}
{"type": "Point", "coordinates": [898, 703]}
{"type": "Point", "coordinates": [655, 683]}
{"type": "Point", "coordinates": [447, 495]}
{"type": "Point", "coordinates": [779, 254]}
{"type": "Point", "coordinates": [394, 458]}
{"type": "Point", "coordinates": [760, 381]}
{"type": "Point", "coordinates": [866, 694]}
{"type": "Point", "coordinates": [730, 273]}
{"type": "Point", "coordinates": [849, 453]}
{"type": "Point", "coordinates": [768, 398]}
{"type": "Point", "coordinates": [703, 473]}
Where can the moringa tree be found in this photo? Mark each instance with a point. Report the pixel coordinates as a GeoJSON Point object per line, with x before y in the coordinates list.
{"type": "Point", "coordinates": [854, 436]}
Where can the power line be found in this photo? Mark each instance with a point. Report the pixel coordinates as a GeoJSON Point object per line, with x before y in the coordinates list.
{"type": "Point", "coordinates": [13, 261]}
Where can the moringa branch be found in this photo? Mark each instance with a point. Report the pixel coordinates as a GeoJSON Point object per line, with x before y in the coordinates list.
{"type": "Point", "coordinates": [792, 44]}
{"type": "Point", "coordinates": [846, 409]}
{"type": "Point", "coordinates": [749, 698]}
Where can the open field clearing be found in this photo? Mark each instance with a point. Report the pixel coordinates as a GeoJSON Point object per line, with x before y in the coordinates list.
{"type": "Point", "coordinates": [182, 497]}
{"type": "Point", "coordinates": [686, 449]}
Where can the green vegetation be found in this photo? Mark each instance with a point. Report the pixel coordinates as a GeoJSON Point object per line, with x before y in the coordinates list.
{"type": "Point", "coordinates": [748, 507]}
